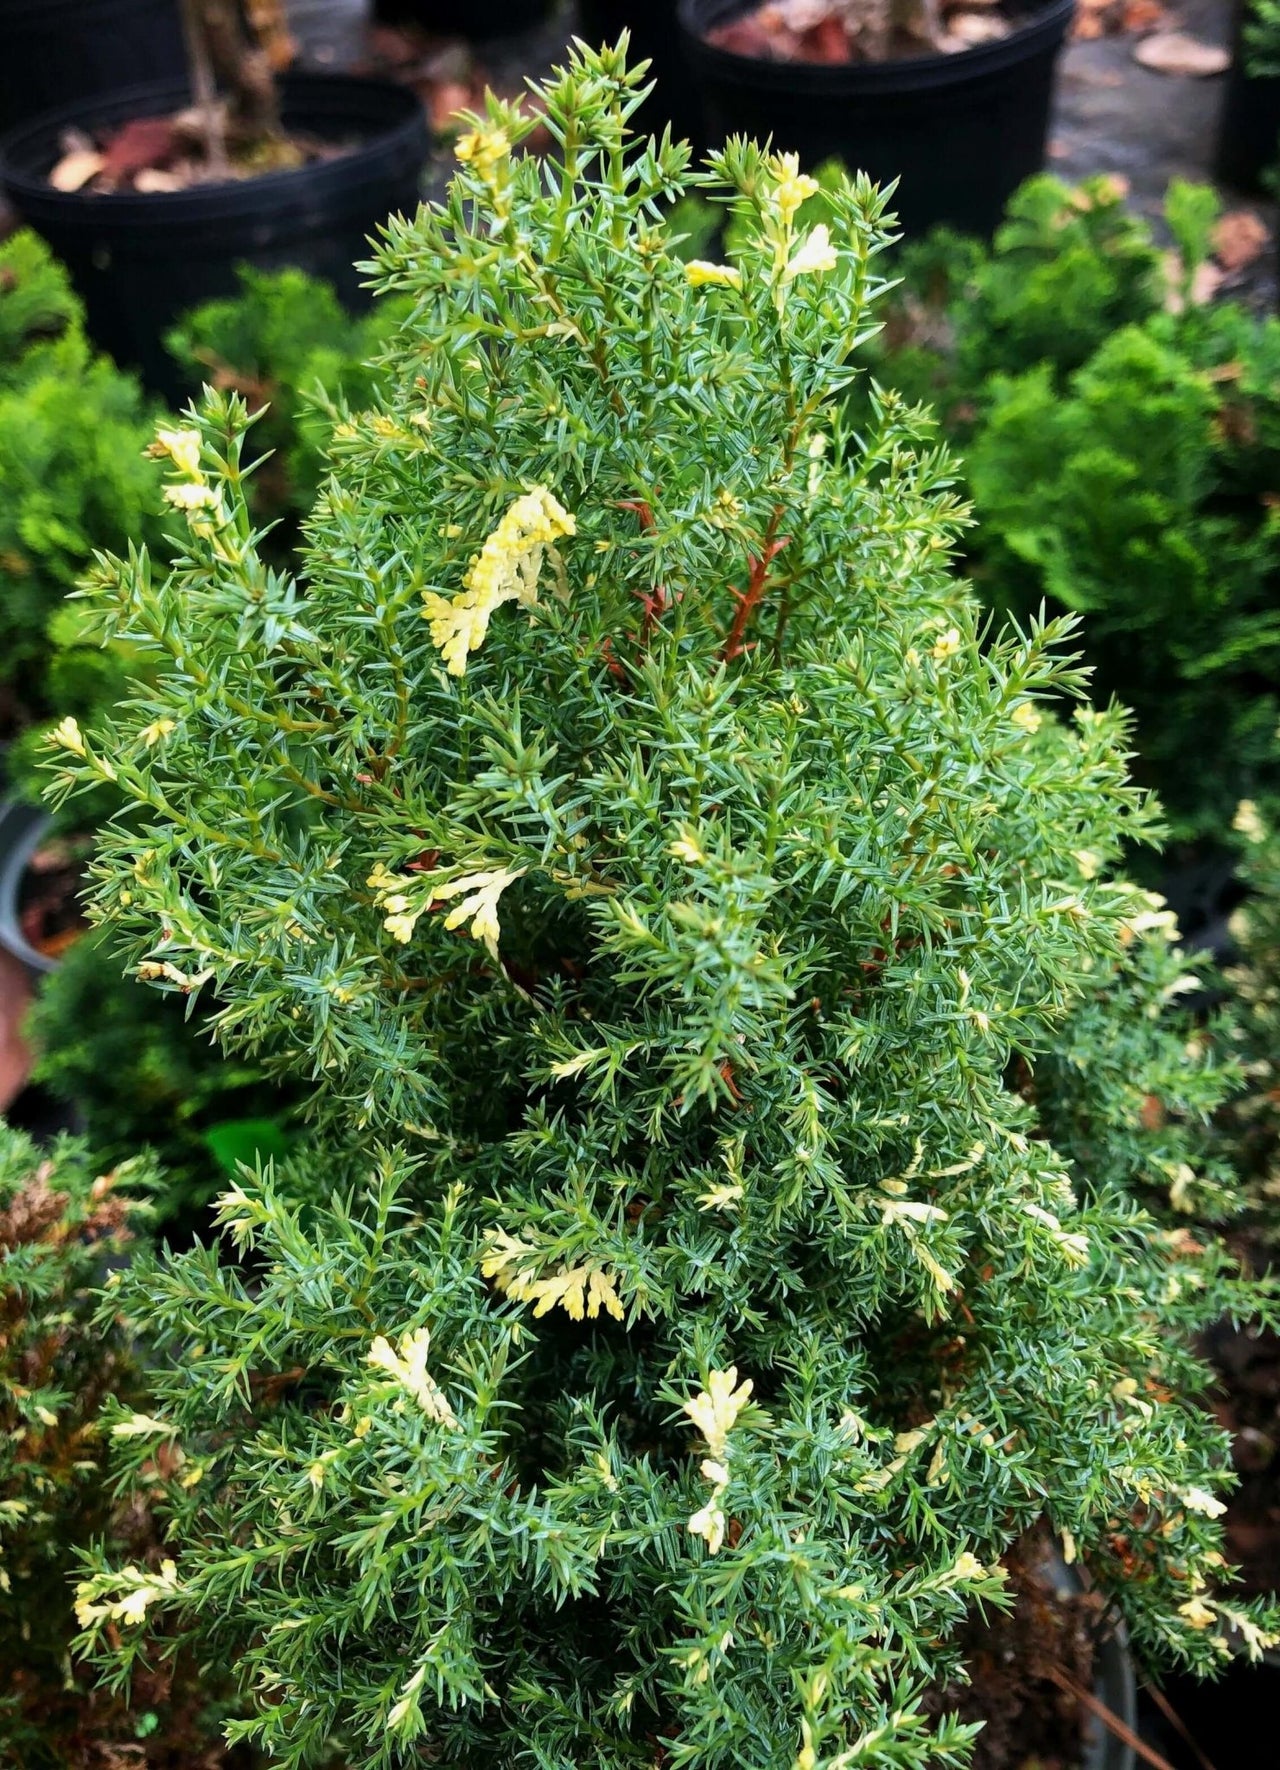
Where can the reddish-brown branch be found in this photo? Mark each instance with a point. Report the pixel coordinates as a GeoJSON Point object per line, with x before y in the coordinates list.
{"type": "Point", "coordinates": [726, 1076]}
{"type": "Point", "coordinates": [611, 662]}
{"type": "Point", "coordinates": [1111, 1721]}
{"type": "Point", "coordinates": [643, 509]}
{"type": "Point", "coordinates": [657, 601]}
{"type": "Point", "coordinates": [749, 600]}
{"type": "Point", "coordinates": [655, 604]}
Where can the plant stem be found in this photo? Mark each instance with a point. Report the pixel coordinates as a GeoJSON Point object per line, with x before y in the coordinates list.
{"type": "Point", "coordinates": [203, 87]}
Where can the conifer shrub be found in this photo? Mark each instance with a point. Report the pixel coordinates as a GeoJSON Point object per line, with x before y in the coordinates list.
{"type": "Point", "coordinates": [1262, 40]}
{"type": "Point", "coordinates": [61, 1220]}
{"type": "Point", "coordinates": [1143, 496]}
{"type": "Point", "coordinates": [1253, 1120]}
{"type": "Point", "coordinates": [69, 1386]}
{"type": "Point", "coordinates": [619, 826]}
{"type": "Point", "coordinates": [1067, 268]}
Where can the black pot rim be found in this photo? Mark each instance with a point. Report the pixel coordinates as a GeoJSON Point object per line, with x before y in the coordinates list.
{"type": "Point", "coordinates": [1046, 24]}
{"type": "Point", "coordinates": [305, 98]}
{"type": "Point", "coordinates": [22, 829]}
{"type": "Point", "coordinates": [18, 11]}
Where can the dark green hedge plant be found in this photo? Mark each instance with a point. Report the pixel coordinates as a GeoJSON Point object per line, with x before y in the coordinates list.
{"type": "Point", "coordinates": [1122, 447]}
{"type": "Point", "coordinates": [140, 1073]}
{"type": "Point", "coordinates": [73, 478]}
{"type": "Point", "coordinates": [1253, 1122]}
{"type": "Point", "coordinates": [70, 1386]}
{"type": "Point", "coordinates": [620, 828]}
{"type": "Point", "coordinates": [76, 478]}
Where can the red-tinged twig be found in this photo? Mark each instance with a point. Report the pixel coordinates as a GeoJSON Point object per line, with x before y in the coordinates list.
{"type": "Point", "coordinates": [655, 604]}
{"type": "Point", "coordinates": [749, 600]}
{"type": "Point", "coordinates": [612, 664]}
{"type": "Point", "coordinates": [643, 509]}
{"type": "Point", "coordinates": [726, 1076]}
{"type": "Point", "coordinates": [657, 601]}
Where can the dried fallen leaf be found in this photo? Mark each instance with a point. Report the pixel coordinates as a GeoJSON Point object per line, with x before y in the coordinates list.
{"type": "Point", "coordinates": [144, 141]}
{"type": "Point", "coordinates": [446, 100]}
{"type": "Point", "coordinates": [1173, 52]}
{"type": "Point", "coordinates": [1239, 238]}
{"type": "Point", "coordinates": [74, 170]}
{"type": "Point", "coordinates": [1204, 284]}
{"type": "Point", "coordinates": [152, 180]}
{"type": "Point", "coordinates": [965, 29]}
{"type": "Point", "coordinates": [1141, 15]}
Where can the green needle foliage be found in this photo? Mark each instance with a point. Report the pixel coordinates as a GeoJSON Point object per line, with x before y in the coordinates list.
{"type": "Point", "coordinates": [67, 1383]}
{"type": "Point", "coordinates": [1262, 39]}
{"type": "Point", "coordinates": [72, 479]}
{"type": "Point", "coordinates": [286, 345]}
{"type": "Point", "coordinates": [1253, 1121]}
{"type": "Point", "coordinates": [1121, 446]}
{"type": "Point", "coordinates": [621, 829]}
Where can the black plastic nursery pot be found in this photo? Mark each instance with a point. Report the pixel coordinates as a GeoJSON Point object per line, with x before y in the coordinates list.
{"type": "Point", "coordinates": [1224, 1714]}
{"type": "Point", "coordinates": [22, 829]}
{"type": "Point", "coordinates": [140, 260]}
{"type": "Point", "coordinates": [477, 19]}
{"type": "Point", "coordinates": [960, 131]}
{"type": "Point", "coordinates": [57, 52]}
{"type": "Point", "coordinates": [1116, 1687]}
{"type": "Point", "coordinates": [1248, 145]}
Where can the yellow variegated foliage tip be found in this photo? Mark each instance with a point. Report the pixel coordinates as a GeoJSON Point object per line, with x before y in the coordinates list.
{"type": "Point", "coordinates": [709, 1522]}
{"type": "Point", "coordinates": [405, 900]}
{"type": "Point", "coordinates": [506, 569]}
{"type": "Point", "coordinates": [581, 1291]}
{"type": "Point", "coordinates": [1248, 822]}
{"type": "Point", "coordinates": [1199, 1499]}
{"type": "Point", "coordinates": [700, 273]}
{"type": "Point", "coordinates": [409, 1368]}
{"type": "Point", "coordinates": [140, 1426]}
{"type": "Point", "coordinates": [190, 497]}
{"type": "Point", "coordinates": [793, 188]}
{"type": "Point", "coordinates": [484, 150]}
{"type": "Point", "coordinates": [124, 1596]}
{"type": "Point", "coordinates": [181, 447]}
{"type": "Point", "coordinates": [1154, 918]}
{"type": "Point", "coordinates": [67, 735]}
{"type": "Point", "coordinates": [478, 894]}
{"type": "Point", "coordinates": [403, 1708]}
{"type": "Point", "coordinates": [815, 255]}
{"type": "Point", "coordinates": [715, 1410]}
